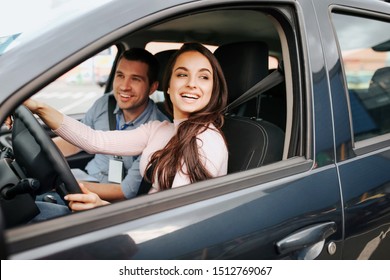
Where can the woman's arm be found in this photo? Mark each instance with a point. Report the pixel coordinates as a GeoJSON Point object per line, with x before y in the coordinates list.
{"type": "Point", "coordinates": [112, 142]}
{"type": "Point", "coordinates": [85, 200]}
{"type": "Point", "coordinates": [213, 152]}
{"type": "Point", "coordinates": [126, 143]}
{"type": "Point", "coordinates": [50, 116]}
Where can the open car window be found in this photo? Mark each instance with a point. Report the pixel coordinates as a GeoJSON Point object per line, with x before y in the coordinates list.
{"type": "Point", "coordinates": [75, 91]}
{"type": "Point", "coordinates": [274, 143]}
{"type": "Point", "coordinates": [272, 110]}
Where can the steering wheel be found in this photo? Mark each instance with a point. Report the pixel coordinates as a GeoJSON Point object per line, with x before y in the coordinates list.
{"type": "Point", "coordinates": [39, 157]}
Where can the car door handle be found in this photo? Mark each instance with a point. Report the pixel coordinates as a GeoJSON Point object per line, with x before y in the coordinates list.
{"type": "Point", "coordinates": [308, 242]}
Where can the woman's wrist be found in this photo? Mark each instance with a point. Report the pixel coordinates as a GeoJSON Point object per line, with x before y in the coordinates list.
{"type": "Point", "coordinates": [49, 115]}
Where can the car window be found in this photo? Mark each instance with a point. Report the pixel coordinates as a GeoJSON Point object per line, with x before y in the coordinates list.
{"type": "Point", "coordinates": [365, 48]}
{"type": "Point", "coordinates": [75, 91]}
{"type": "Point", "coordinates": [252, 52]}
{"type": "Point", "coordinates": [5, 41]}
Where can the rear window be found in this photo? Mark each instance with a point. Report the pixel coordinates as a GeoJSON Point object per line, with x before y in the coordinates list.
{"type": "Point", "coordinates": [365, 48]}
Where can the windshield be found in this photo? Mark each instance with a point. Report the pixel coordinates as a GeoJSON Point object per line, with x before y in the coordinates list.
{"type": "Point", "coordinates": [20, 19]}
{"type": "Point", "coordinates": [5, 41]}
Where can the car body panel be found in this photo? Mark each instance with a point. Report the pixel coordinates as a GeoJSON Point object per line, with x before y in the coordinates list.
{"type": "Point", "coordinates": [363, 178]}
{"type": "Point", "coordinates": [156, 236]}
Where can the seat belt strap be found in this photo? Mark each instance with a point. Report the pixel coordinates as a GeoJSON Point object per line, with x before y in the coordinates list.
{"type": "Point", "coordinates": [273, 79]}
{"type": "Point", "coordinates": [111, 107]}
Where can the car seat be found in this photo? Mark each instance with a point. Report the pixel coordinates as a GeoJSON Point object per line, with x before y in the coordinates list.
{"type": "Point", "coordinates": [251, 142]}
{"type": "Point", "coordinates": [163, 58]}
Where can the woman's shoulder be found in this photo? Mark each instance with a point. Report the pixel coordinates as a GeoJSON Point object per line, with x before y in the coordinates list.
{"type": "Point", "coordinates": [211, 134]}
{"type": "Point", "coordinates": [213, 144]}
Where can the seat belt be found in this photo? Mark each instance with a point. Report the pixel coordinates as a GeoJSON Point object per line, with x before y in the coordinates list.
{"type": "Point", "coordinates": [273, 79]}
{"type": "Point", "coordinates": [111, 107]}
{"type": "Point", "coordinates": [145, 185]}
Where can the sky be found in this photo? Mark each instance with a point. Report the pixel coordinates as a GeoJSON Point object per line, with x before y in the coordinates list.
{"type": "Point", "coordinates": [17, 15]}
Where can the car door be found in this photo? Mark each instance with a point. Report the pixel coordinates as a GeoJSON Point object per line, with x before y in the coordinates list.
{"type": "Point", "coordinates": [291, 209]}
{"type": "Point", "coordinates": [360, 35]}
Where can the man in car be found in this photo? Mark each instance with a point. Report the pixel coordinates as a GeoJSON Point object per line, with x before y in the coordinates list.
{"type": "Point", "coordinates": [136, 78]}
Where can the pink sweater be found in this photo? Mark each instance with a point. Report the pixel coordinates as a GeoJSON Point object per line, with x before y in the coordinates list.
{"type": "Point", "coordinates": [144, 141]}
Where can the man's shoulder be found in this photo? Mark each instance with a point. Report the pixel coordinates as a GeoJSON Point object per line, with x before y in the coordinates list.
{"type": "Point", "coordinates": [104, 98]}
{"type": "Point", "coordinates": [157, 114]}
{"type": "Point", "coordinates": [97, 112]}
{"type": "Point", "coordinates": [162, 117]}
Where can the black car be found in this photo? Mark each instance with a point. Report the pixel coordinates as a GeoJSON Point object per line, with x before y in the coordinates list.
{"type": "Point", "coordinates": [309, 153]}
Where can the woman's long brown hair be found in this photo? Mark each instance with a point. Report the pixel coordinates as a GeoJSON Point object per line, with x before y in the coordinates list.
{"type": "Point", "coordinates": [182, 150]}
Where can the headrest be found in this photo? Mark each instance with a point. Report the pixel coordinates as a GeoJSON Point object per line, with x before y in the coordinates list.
{"type": "Point", "coordinates": [380, 82]}
{"type": "Point", "coordinates": [243, 64]}
{"type": "Point", "coordinates": [163, 58]}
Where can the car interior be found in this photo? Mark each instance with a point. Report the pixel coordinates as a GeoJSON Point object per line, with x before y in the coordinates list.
{"type": "Point", "coordinates": [261, 123]}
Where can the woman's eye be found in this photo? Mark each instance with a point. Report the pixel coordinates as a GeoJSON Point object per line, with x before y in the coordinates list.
{"type": "Point", "coordinates": [204, 77]}
{"type": "Point", "coordinates": [181, 75]}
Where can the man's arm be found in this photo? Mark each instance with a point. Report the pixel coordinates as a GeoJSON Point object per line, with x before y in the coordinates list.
{"type": "Point", "coordinates": [65, 147]}
{"type": "Point", "coordinates": [109, 192]}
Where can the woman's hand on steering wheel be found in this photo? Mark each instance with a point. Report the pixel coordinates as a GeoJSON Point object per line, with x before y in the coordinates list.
{"type": "Point", "coordinates": [85, 200]}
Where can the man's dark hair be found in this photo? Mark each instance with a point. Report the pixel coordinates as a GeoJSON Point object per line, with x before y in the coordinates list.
{"type": "Point", "coordinates": [142, 55]}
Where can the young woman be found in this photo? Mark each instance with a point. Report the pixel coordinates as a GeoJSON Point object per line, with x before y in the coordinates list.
{"type": "Point", "coordinates": [190, 149]}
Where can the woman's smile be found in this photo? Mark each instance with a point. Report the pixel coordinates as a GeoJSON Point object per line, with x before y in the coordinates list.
{"type": "Point", "coordinates": [190, 97]}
